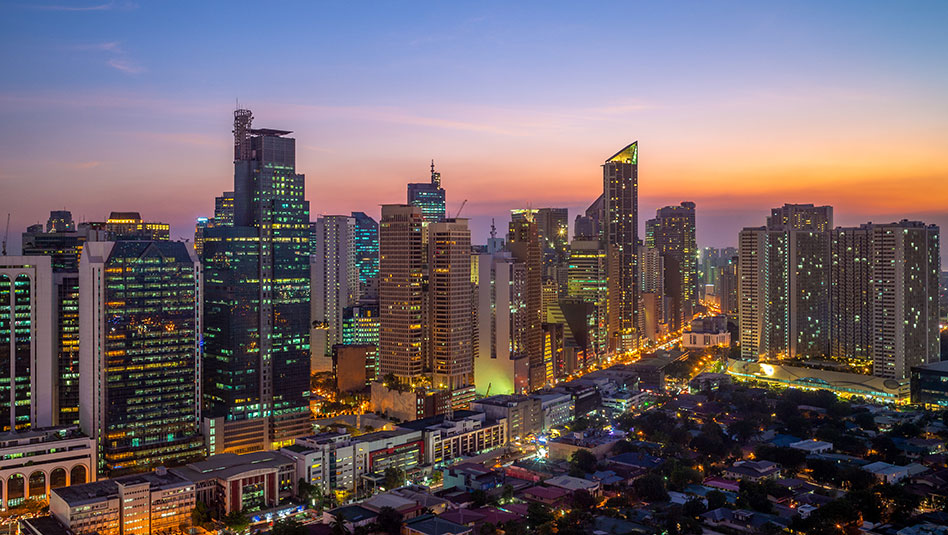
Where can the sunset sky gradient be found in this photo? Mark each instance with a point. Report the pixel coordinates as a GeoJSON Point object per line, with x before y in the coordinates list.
{"type": "Point", "coordinates": [738, 107]}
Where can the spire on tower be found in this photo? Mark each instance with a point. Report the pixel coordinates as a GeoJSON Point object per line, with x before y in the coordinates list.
{"type": "Point", "coordinates": [435, 176]}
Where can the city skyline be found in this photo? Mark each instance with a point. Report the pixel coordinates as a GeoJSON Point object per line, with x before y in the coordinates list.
{"type": "Point", "coordinates": [792, 108]}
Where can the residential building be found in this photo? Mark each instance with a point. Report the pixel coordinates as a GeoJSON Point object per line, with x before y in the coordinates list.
{"type": "Point", "coordinates": [620, 227]}
{"type": "Point", "coordinates": [140, 319]}
{"type": "Point", "coordinates": [462, 434]}
{"type": "Point", "coordinates": [673, 233]}
{"type": "Point", "coordinates": [710, 331]}
{"type": "Point", "coordinates": [524, 414]}
{"type": "Point", "coordinates": [754, 471]}
{"type": "Point", "coordinates": [334, 284]}
{"type": "Point", "coordinates": [523, 244]}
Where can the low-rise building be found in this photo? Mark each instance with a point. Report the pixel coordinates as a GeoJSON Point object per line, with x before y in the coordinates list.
{"type": "Point", "coordinates": [887, 473]}
{"type": "Point", "coordinates": [35, 461]}
{"type": "Point", "coordinates": [707, 332]}
{"type": "Point", "coordinates": [433, 525]}
{"type": "Point", "coordinates": [556, 409]}
{"type": "Point", "coordinates": [573, 484]}
{"type": "Point", "coordinates": [229, 482]}
{"type": "Point", "coordinates": [929, 385]}
{"type": "Point", "coordinates": [463, 434]}
{"type": "Point", "coordinates": [752, 470]}
{"type": "Point", "coordinates": [524, 414]}
{"type": "Point", "coordinates": [813, 446]}
{"type": "Point", "coordinates": [154, 502]}
{"type": "Point", "coordinates": [562, 448]}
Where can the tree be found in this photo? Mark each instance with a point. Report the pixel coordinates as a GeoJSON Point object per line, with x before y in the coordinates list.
{"type": "Point", "coordinates": [479, 498]}
{"type": "Point", "coordinates": [288, 526]}
{"type": "Point", "coordinates": [538, 514]}
{"type": "Point", "coordinates": [582, 499]}
{"type": "Point", "coordinates": [200, 515]}
{"type": "Point", "coordinates": [236, 521]}
{"type": "Point", "coordinates": [716, 499]}
{"type": "Point", "coordinates": [693, 507]}
{"type": "Point", "coordinates": [507, 494]}
{"type": "Point", "coordinates": [584, 460]}
{"type": "Point", "coordinates": [389, 521]}
{"type": "Point", "coordinates": [338, 526]}
{"type": "Point", "coordinates": [651, 488]}
{"type": "Point", "coordinates": [393, 478]}
{"type": "Point", "coordinates": [487, 529]}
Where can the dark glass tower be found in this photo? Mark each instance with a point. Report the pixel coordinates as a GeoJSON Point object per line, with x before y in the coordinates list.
{"type": "Point", "coordinates": [620, 227]}
{"type": "Point", "coordinates": [429, 196]}
{"type": "Point", "coordinates": [140, 324]}
{"type": "Point", "coordinates": [672, 232]}
{"type": "Point", "coordinates": [367, 253]}
{"type": "Point", "coordinates": [257, 291]}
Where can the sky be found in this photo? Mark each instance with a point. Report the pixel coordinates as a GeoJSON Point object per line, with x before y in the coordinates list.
{"type": "Point", "coordinates": [737, 106]}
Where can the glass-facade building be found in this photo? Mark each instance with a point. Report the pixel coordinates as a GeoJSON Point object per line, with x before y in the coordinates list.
{"type": "Point", "coordinates": [367, 252]}
{"type": "Point", "coordinates": [429, 196]}
{"type": "Point", "coordinates": [360, 326]}
{"type": "Point", "coordinates": [140, 314]}
{"type": "Point", "coordinates": [257, 292]}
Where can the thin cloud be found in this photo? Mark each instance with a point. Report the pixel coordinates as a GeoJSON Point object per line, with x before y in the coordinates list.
{"type": "Point", "coordinates": [110, 46]}
{"type": "Point", "coordinates": [96, 7]}
{"type": "Point", "coordinates": [126, 66]}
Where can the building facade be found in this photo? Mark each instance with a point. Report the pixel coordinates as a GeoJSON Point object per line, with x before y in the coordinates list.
{"type": "Point", "coordinates": [428, 197]}
{"type": "Point", "coordinates": [620, 228]}
{"type": "Point", "coordinates": [334, 283]}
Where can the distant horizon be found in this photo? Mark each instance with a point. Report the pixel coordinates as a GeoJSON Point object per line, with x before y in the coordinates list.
{"type": "Point", "coordinates": [739, 108]}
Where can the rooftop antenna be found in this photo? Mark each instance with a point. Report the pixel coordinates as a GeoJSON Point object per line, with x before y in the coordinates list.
{"type": "Point", "coordinates": [6, 234]}
{"type": "Point", "coordinates": [493, 229]}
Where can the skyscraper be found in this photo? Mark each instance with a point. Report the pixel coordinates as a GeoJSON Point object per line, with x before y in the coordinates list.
{"type": "Point", "coordinates": [223, 217]}
{"type": "Point", "coordinates": [335, 284]}
{"type": "Point", "coordinates": [257, 292]}
{"type": "Point", "coordinates": [654, 321]}
{"type": "Point", "coordinates": [450, 316]}
{"type": "Point", "coordinates": [620, 227]}
{"type": "Point", "coordinates": [524, 244]}
{"type": "Point", "coordinates": [27, 343]}
{"type": "Point", "coordinates": [673, 234]}
{"type": "Point", "coordinates": [402, 261]}
{"type": "Point", "coordinates": [360, 327]}
{"type": "Point", "coordinates": [905, 268]}
{"type": "Point", "coordinates": [429, 197]}
{"type": "Point", "coordinates": [139, 353]}
{"type": "Point", "coordinates": [589, 281]}
{"type": "Point", "coordinates": [851, 296]}
{"type": "Point", "coordinates": [785, 284]}
{"type": "Point", "coordinates": [367, 253]}
{"type": "Point", "coordinates": [501, 365]}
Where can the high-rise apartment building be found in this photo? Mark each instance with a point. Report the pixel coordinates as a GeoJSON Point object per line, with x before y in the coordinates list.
{"type": "Point", "coordinates": [652, 292]}
{"type": "Point", "coordinates": [429, 197]}
{"type": "Point", "coordinates": [501, 365]}
{"type": "Point", "coordinates": [402, 261]}
{"type": "Point", "coordinates": [27, 343]}
{"type": "Point", "coordinates": [620, 227]}
{"type": "Point", "coordinates": [673, 234]}
{"type": "Point", "coordinates": [785, 284]}
{"type": "Point", "coordinates": [450, 304]}
{"type": "Point", "coordinates": [524, 244]}
{"type": "Point", "coordinates": [367, 253]}
{"type": "Point", "coordinates": [140, 324]}
{"type": "Point", "coordinates": [257, 293]}
{"type": "Point", "coordinates": [905, 268]}
{"type": "Point", "coordinates": [335, 284]}
{"type": "Point", "coordinates": [851, 296]}
{"type": "Point", "coordinates": [726, 288]}
{"type": "Point", "coordinates": [360, 327]}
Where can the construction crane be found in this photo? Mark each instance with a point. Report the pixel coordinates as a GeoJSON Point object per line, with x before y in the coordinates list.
{"type": "Point", "coordinates": [6, 234]}
{"type": "Point", "coordinates": [457, 215]}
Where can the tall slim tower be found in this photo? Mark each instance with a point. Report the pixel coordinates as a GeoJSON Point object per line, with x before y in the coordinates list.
{"type": "Point", "coordinates": [401, 300]}
{"type": "Point", "coordinates": [27, 343]}
{"type": "Point", "coordinates": [673, 235]}
{"type": "Point", "coordinates": [335, 284]}
{"type": "Point", "coordinates": [450, 315]}
{"type": "Point", "coordinates": [524, 244]}
{"type": "Point", "coordinates": [140, 319]}
{"type": "Point", "coordinates": [257, 292]}
{"type": "Point", "coordinates": [367, 254]}
{"type": "Point", "coordinates": [429, 196]}
{"type": "Point", "coordinates": [620, 226]}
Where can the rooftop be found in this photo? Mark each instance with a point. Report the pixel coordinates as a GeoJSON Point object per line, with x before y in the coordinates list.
{"type": "Point", "coordinates": [107, 489]}
{"type": "Point", "coordinates": [433, 525]}
{"type": "Point", "coordinates": [227, 465]}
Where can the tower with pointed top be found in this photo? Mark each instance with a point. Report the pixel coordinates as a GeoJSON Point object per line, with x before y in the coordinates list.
{"type": "Point", "coordinates": [429, 196]}
{"type": "Point", "coordinates": [620, 227]}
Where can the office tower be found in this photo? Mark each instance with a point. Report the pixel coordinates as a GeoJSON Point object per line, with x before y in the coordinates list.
{"type": "Point", "coordinates": [620, 227]}
{"type": "Point", "coordinates": [450, 306]}
{"type": "Point", "coordinates": [140, 319]}
{"type": "Point", "coordinates": [335, 284]}
{"type": "Point", "coordinates": [130, 226]}
{"type": "Point", "coordinates": [553, 228]}
{"type": "Point", "coordinates": [501, 365]}
{"type": "Point", "coordinates": [360, 327]}
{"type": "Point", "coordinates": [256, 300]}
{"type": "Point", "coordinates": [851, 296]}
{"type": "Point", "coordinates": [785, 284]}
{"type": "Point", "coordinates": [429, 197]}
{"type": "Point", "coordinates": [223, 217]}
{"type": "Point", "coordinates": [589, 224]}
{"type": "Point", "coordinates": [654, 301]}
{"type": "Point", "coordinates": [402, 262]}
{"type": "Point", "coordinates": [367, 253]}
{"type": "Point", "coordinates": [673, 234]}
{"type": "Point", "coordinates": [588, 280]}
{"type": "Point", "coordinates": [63, 246]}
{"type": "Point", "coordinates": [524, 244]}
{"type": "Point", "coordinates": [905, 268]}
{"type": "Point", "coordinates": [27, 343]}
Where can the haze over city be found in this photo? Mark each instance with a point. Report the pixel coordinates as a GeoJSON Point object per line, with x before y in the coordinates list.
{"type": "Point", "coordinates": [738, 107]}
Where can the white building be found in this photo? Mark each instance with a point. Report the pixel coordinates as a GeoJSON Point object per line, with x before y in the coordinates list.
{"type": "Point", "coordinates": [335, 284]}
{"type": "Point", "coordinates": [557, 408]}
{"type": "Point", "coordinates": [500, 363]}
